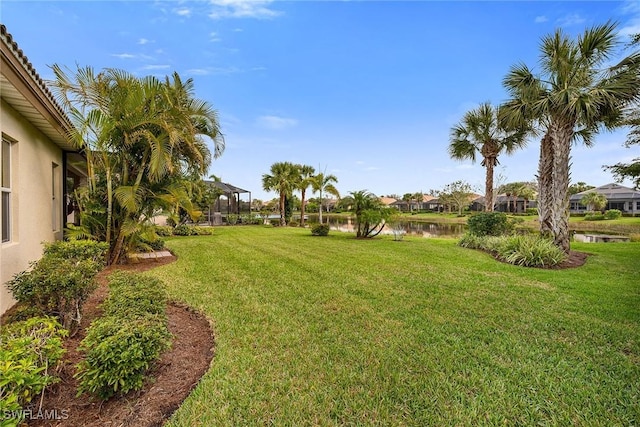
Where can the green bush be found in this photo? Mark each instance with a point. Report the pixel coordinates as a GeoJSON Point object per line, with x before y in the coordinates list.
{"type": "Point", "coordinates": [293, 224]}
{"type": "Point", "coordinates": [530, 251]}
{"type": "Point", "coordinates": [134, 295]}
{"type": "Point", "coordinates": [119, 353]}
{"type": "Point", "coordinates": [29, 353]}
{"type": "Point", "coordinates": [532, 211]}
{"type": "Point", "coordinates": [275, 222]}
{"type": "Point", "coordinates": [164, 231]}
{"type": "Point", "coordinates": [121, 346]}
{"type": "Point", "coordinates": [526, 250]}
{"type": "Point", "coordinates": [232, 219]}
{"type": "Point", "coordinates": [77, 250]}
{"type": "Point", "coordinates": [183, 230]}
{"type": "Point", "coordinates": [61, 281]}
{"type": "Point", "coordinates": [150, 245]}
{"type": "Point", "coordinates": [320, 230]}
{"type": "Point", "coordinates": [202, 231]}
{"type": "Point", "coordinates": [612, 214]}
{"type": "Point", "coordinates": [594, 217]}
{"type": "Point", "coordinates": [488, 224]}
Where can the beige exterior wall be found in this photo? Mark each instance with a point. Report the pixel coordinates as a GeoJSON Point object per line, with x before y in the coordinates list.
{"type": "Point", "coordinates": [34, 180]}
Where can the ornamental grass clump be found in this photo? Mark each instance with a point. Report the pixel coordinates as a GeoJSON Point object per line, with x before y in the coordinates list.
{"type": "Point", "coordinates": [525, 250]}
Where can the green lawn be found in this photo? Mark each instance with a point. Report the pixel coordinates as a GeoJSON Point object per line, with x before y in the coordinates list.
{"type": "Point", "coordinates": [336, 331]}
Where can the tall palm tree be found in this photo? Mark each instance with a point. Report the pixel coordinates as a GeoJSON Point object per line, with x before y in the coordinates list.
{"type": "Point", "coordinates": [283, 179]}
{"type": "Point", "coordinates": [305, 181]}
{"type": "Point", "coordinates": [575, 95]}
{"type": "Point", "coordinates": [322, 183]}
{"type": "Point", "coordinates": [480, 132]}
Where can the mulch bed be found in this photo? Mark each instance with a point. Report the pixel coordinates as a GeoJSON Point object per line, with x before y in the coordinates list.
{"type": "Point", "coordinates": [170, 382]}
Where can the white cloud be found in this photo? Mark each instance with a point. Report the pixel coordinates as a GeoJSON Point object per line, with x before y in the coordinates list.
{"type": "Point", "coordinates": [276, 122]}
{"type": "Point", "coordinates": [540, 19]}
{"type": "Point", "coordinates": [571, 19]}
{"type": "Point", "coordinates": [143, 41]}
{"type": "Point", "coordinates": [242, 9]}
{"type": "Point", "coordinates": [123, 55]}
{"type": "Point", "coordinates": [156, 67]}
{"type": "Point", "coordinates": [213, 37]}
{"type": "Point", "coordinates": [183, 11]}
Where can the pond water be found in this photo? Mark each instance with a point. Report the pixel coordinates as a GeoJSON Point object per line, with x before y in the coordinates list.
{"type": "Point", "coordinates": [411, 228]}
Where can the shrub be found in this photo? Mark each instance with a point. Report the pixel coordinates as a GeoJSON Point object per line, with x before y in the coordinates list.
{"type": "Point", "coordinates": [121, 346]}
{"type": "Point", "coordinates": [293, 224]}
{"type": "Point", "coordinates": [532, 211]}
{"type": "Point", "coordinates": [488, 224]}
{"type": "Point", "coordinates": [77, 250]}
{"type": "Point", "coordinates": [134, 295]}
{"type": "Point", "coordinates": [164, 231]}
{"type": "Point", "coordinates": [202, 231]}
{"type": "Point", "coordinates": [525, 250]}
{"type": "Point", "coordinates": [118, 353]}
{"type": "Point", "coordinates": [594, 217]}
{"type": "Point", "coordinates": [61, 281]}
{"type": "Point", "coordinates": [182, 230]}
{"type": "Point", "coordinates": [150, 245]}
{"type": "Point", "coordinates": [275, 222]}
{"type": "Point", "coordinates": [530, 251]}
{"type": "Point", "coordinates": [612, 214]}
{"type": "Point", "coordinates": [320, 230]}
{"type": "Point", "coordinates": [29, 351]}
{"type": "Point", "coordinates": [232, 219]}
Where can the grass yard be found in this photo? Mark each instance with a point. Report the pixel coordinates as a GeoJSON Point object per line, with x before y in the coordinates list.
{"type": "Point", "coordinates": [335, 331]}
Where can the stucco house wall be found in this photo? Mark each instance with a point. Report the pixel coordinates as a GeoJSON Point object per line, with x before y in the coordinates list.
{"type": "Point", "coordinates": [36, 129]}
{"type": "Point", "coordinates": [36, 167]}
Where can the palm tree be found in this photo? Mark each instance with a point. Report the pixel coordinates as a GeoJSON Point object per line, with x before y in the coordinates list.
{"type": "Point", "coordinates": [283, 179]}
{"type": "Point", "coordinates": [140, 135]}
{"type": "Point", "coordinates": [324, 183]}
{"type": "Point", "coordinates": [480, 132]}
{"type": "Point", "coordinates": [575, 95]}
{"type": "Point", "coordinates": [305, 181]}
{"type": "Point", "coordinates": [594, 201]}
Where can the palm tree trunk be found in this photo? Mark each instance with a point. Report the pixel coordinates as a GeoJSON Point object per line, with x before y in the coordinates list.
{"type": "Point", "coordinates": [320, 208]}
{"type": "Point", "coordinates": [560, 194]}
{"type": "Point", "coordinates": [488, 187]}
{"type": "Point", "coordinates": [545, 169]}
{"type": "Point", "coordinates": [302, 208]}
{"type": "Point", "coordinates": [282, 221]}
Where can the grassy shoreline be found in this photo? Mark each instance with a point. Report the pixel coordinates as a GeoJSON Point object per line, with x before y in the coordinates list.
{"type": "Point", "coordinates": [338, 331]}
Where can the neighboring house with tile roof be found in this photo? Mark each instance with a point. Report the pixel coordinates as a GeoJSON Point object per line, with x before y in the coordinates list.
{"type": "Point", "coordinates": [625, 199]}
{"type": "Point", "coordinates": [36, 161]}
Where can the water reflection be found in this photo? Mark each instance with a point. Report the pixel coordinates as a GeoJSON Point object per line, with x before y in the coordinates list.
{"type": "Point", "coordinates": [411, 228]}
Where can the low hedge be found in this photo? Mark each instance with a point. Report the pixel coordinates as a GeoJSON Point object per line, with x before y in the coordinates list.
{"type": "Point", "coordinates": [122, 345]}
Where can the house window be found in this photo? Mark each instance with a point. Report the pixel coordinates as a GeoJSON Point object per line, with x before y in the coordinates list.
{"type": "Point", "coordinates": [55, 197]}
{"type": "Point", "coordinates": [5, 189]}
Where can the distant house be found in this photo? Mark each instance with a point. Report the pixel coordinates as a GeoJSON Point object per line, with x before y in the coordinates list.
{"type": "Point", "coordinates": [507, 203]}
{"type": "Point", "coordinates": [625, 199]}
{"type": "Point", "coordinates": [38, 165]}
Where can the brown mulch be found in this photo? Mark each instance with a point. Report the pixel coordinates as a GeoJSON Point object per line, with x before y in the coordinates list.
{"type": "Point", "coordinates": [575, 259]}
{"type": "Point", "coordinates": [171, 380]}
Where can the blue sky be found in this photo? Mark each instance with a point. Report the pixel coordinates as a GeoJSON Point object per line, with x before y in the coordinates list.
{"type": "Point", "coordinates": [366, 90]}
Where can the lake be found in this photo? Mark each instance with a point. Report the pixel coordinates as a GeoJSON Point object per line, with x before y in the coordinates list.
{"type": "Point", "coordinates": [411, 228]}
